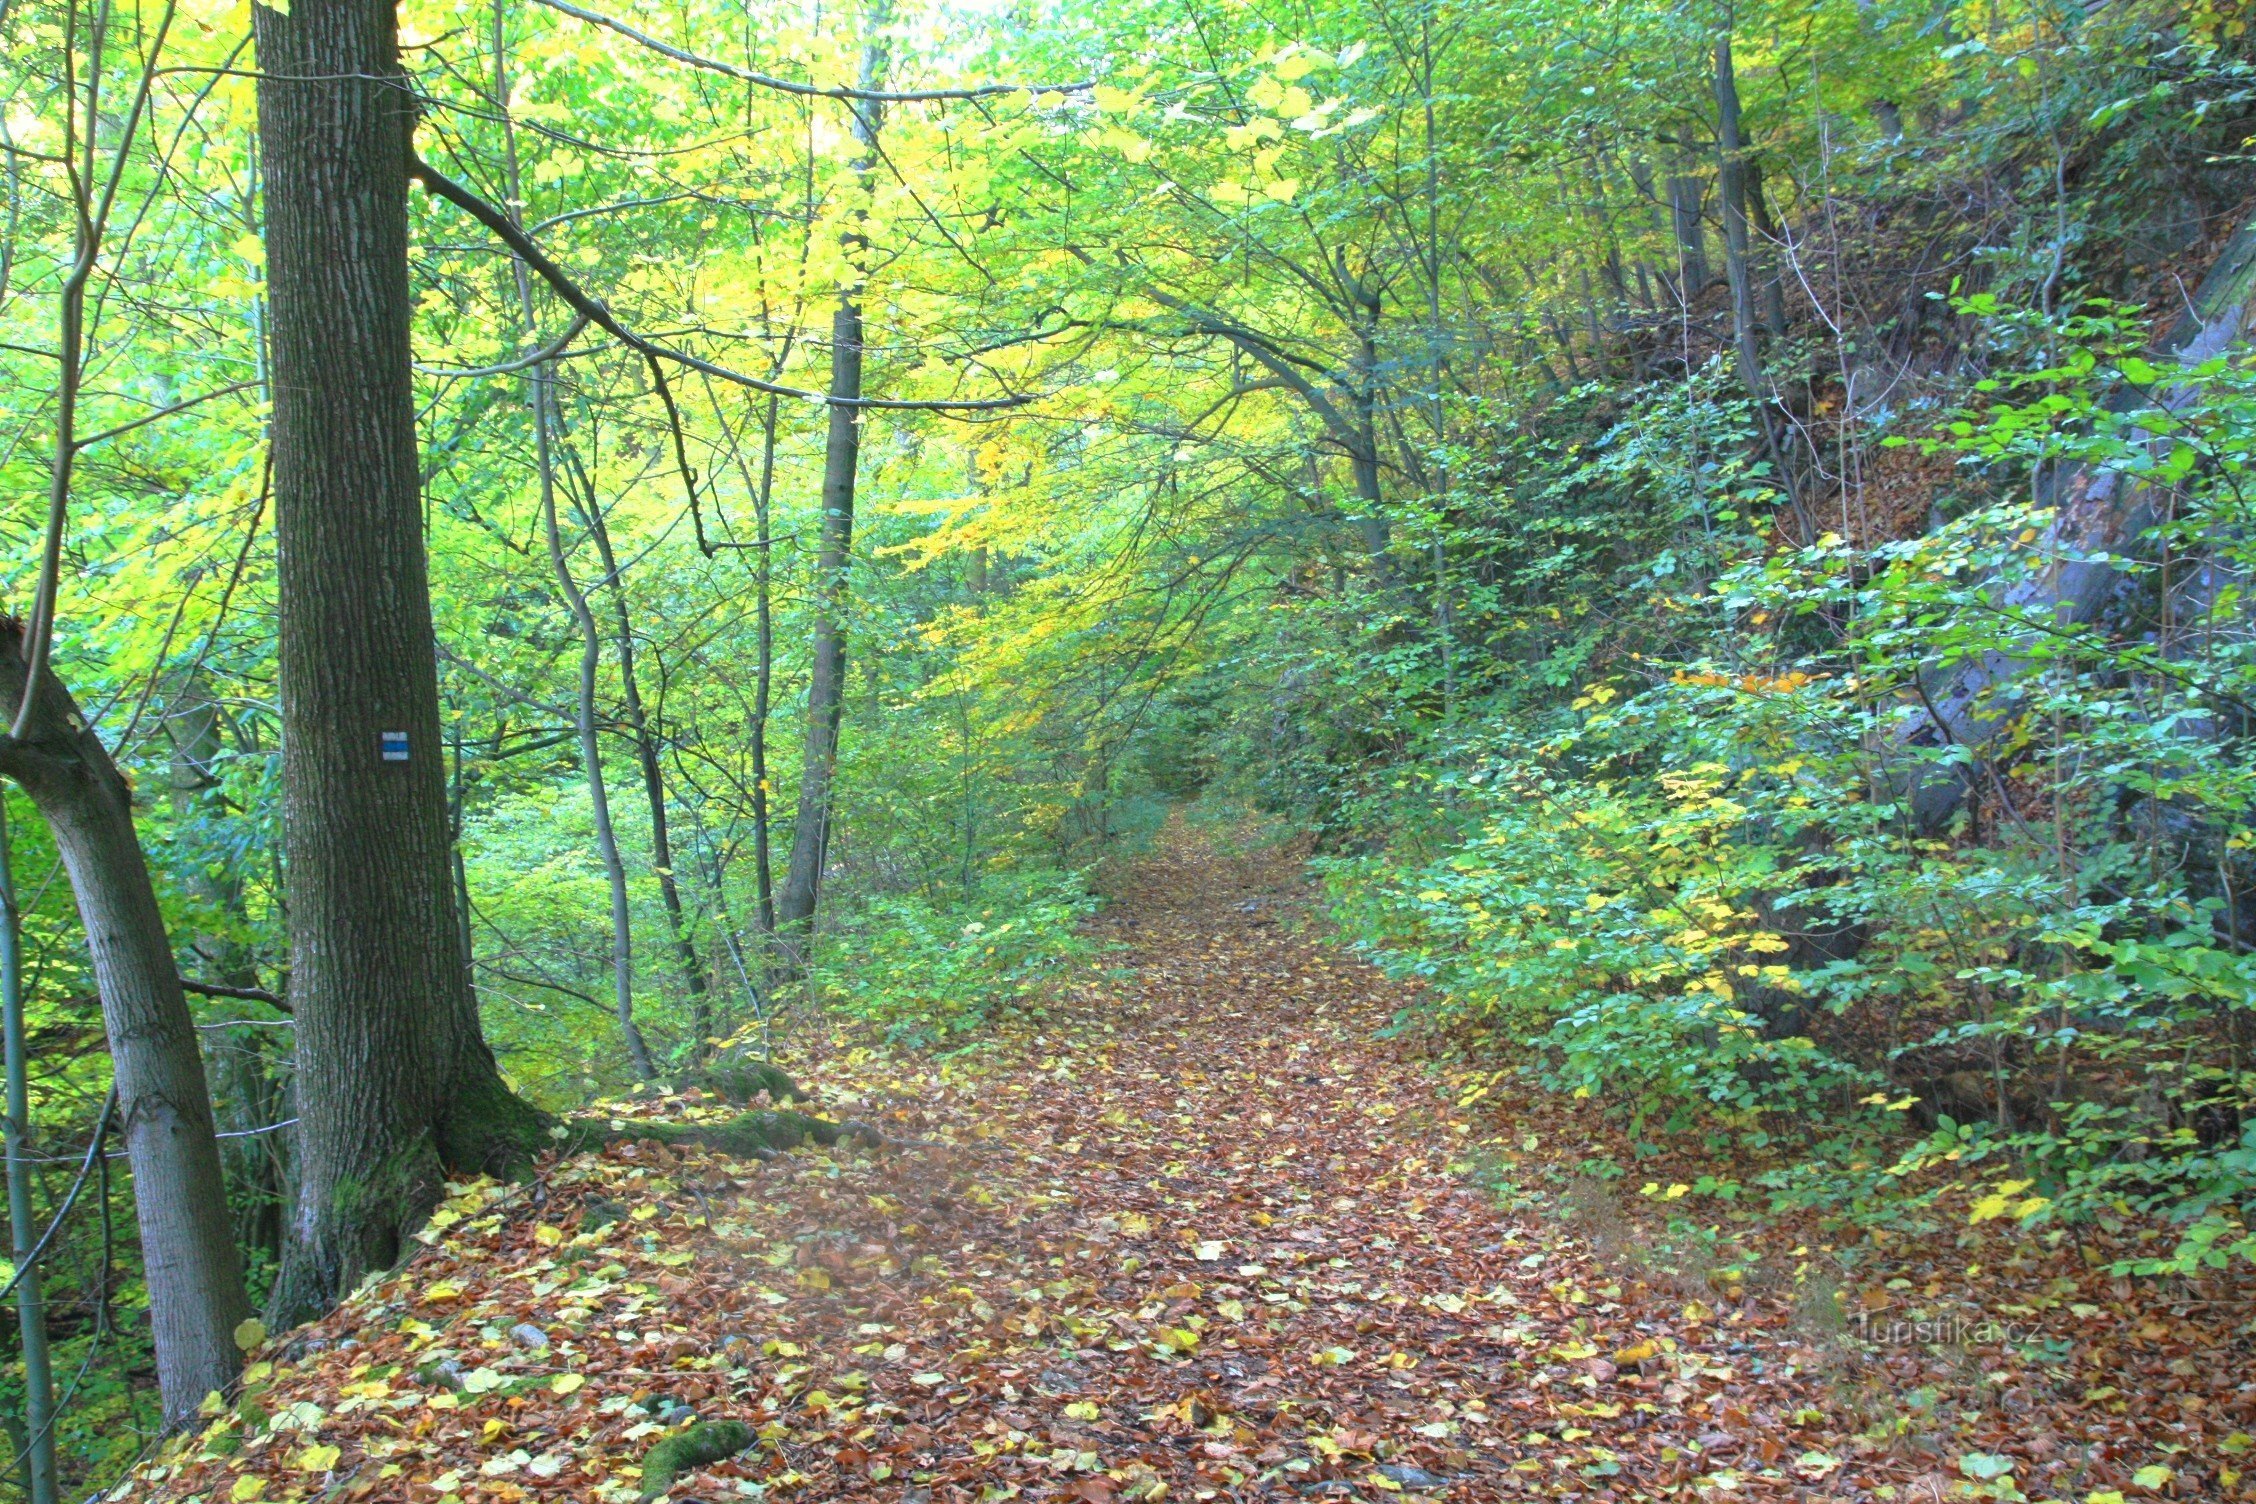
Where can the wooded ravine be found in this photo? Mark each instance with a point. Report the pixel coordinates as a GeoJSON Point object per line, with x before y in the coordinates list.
{"type": "Point", "coordinates": [1120, 751]}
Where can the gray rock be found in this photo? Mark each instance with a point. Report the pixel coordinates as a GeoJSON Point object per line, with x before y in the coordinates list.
{"type": "Point", "coordinates": [525, 1334]}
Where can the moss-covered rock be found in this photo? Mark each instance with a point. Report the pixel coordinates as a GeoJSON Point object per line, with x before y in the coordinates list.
{"type": "Point", "coordinates": [700, 1445]}
{"type": "Point", "coordinates": [739, 1081]}
{"type": "Point", "coordinates": [753, 1134]}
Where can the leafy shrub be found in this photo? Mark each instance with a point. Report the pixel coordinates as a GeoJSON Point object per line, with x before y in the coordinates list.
{"type": "Point", "coordinates": [1708, 892]}
{"type": "Point", "coordinates": [933, 972]}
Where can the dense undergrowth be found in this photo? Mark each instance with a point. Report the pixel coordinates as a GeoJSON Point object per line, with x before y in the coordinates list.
{"type": "Point", "coordinates": [930, 975]}
{"type": "Point", "coordinates": [1701, 892]}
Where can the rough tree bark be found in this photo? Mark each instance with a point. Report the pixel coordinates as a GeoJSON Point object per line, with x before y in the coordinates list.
{"type": "Point", "coordinates": [195, 1280]}
{"type": "Point", "coordinates": [395, 1080]}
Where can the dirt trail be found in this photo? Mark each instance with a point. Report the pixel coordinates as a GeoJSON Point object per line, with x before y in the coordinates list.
{"type": "Point", "coordinates": [1194, 1234]}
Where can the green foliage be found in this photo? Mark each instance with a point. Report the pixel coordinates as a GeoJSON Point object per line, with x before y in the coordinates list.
{"type": "Point", "coordinates": [1385, 465]}
{"type": "Point", "coordinates": [2056, 982]}
{"type": "Point", "coordinates": [935, 972]}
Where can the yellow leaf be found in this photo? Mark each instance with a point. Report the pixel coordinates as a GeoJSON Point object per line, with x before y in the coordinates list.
{"type": "Point", "coordinates": [1282, 190]}
{"type": "Point", "coordinates": [566, 1383]}
{"type": "Point", "coordinates": [1116, 101]}
{"type": "Point", "coordinates": [547, 1235]}
{"type": "Point", "coordinates": [247, 1489]}
{"type": "Point", "coordinates": [1266, 92]}
{"type": "Point", "coordinates": [316, 1459]}
{"type": "Point", "coordinates": [250, 1333]}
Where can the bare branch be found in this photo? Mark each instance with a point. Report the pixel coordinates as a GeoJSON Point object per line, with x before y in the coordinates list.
{"type": "Point", "coordinates": [586, 304]}
{"type": "Point", "coordinates": [547, 352]}
{"type": "Point", "coordinates": [241, 994]}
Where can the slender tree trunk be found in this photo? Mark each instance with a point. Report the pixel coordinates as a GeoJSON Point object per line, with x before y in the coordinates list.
{"type": "Point", "coordinates": [591, 749]}
{"type": "Point", "coordinates": [461, 869]}
{"type": "Point", "coordinates": [1731, 184]}
{"type": "Point", "coordinates": [395, 1081]}
{"type": "Point", "coordinates": [37, 1448]}
{"type": "Point", "coordinates": [763, 688]}
{"type": "Point", "coordinates": [826, 685]}
{"type": "Point", "coordinates": [249, 1091]}
{"type": "Point", "coordinates": [1363, 459]}
{"type": "Point", "coordinates": [1774, 272]}
{"type": "Point", "coordinates": [1684, 195]}
{"type": "Point", "coordinates": [547, 431]}
{"type": "Point", "coordinates": [195, 1281]}
{"type": "Point", "coordinates": [654, 792]}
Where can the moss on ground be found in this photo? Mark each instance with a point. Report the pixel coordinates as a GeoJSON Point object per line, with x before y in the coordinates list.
{"type": "Point", "coordinates": [701, 1445]}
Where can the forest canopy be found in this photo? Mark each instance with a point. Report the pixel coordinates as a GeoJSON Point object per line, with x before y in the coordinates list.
{"type": "Point", "coordinates": [1720, 526]}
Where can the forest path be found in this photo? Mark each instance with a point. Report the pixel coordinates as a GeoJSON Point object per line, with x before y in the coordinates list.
{"type": "Point", "coordinates": [1193, 1233]}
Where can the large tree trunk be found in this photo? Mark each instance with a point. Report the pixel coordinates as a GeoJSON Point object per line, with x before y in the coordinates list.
{"type": "Point", "coordinates": [195, 1281]}
{"type": "Point", "coordinates": [395, 1080]}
